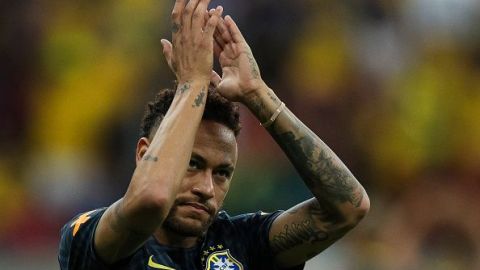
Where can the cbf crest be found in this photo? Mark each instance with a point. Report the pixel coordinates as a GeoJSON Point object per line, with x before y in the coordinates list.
{"type": "Point", "coordinates": [222, 260]}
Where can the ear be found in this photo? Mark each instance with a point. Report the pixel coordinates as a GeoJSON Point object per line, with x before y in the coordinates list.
{"type": "Point", "coordinates": [142, 146]}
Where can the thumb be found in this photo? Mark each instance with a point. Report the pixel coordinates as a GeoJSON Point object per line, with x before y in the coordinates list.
{"type": "Point", "coordinates": [215, 78]}
{"type": "Point", "coordinates": [167, 51]}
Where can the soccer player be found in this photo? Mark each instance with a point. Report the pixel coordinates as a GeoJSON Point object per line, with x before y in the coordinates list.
{"type": "Point", "coordinates": [169, 217]}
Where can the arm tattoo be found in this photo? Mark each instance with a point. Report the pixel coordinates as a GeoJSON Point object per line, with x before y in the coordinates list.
{"type": "Point", "coordinates": [259, 108]}
{"type": "Point", "coordinates": [272, 97]}
{"type": "Point", "coordinates": [321, 221]}
{"type": "Point", "coordinates": [150, 158]}
{"type": "Point", "coordinates": [295, 234]}
{"type": "Point", "coordinates": [321, 170]}
{"type": "Point", "coordinates": [182, 89]}
{"type": "Point", "coordinates": [200, 99]}
{"type": "Point", "coordinates": [307, 231]}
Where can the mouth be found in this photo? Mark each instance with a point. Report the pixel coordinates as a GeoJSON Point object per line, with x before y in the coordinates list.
{"type": "Point", "coordinates": [198, 207]}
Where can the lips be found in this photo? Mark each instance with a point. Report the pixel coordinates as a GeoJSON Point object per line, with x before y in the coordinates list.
{"type": "Point", "coordinates": [198, 206]}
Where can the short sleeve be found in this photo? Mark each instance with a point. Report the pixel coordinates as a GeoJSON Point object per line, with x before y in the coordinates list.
{"type": "Point", "coordinates": [76, 249]}
{"type": "Point", "coordinates": [255, 228]}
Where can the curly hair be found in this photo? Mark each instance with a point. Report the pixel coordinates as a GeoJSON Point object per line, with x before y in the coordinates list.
{"type": "Point", "coordinates": [217, 109]}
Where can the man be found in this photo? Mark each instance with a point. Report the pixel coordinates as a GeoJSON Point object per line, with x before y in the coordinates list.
{"type": "Point", "coordinates": [169, 217]}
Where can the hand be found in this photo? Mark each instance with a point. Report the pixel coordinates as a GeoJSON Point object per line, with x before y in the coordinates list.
{"type": "Point", "coordinates": [191, 56]}
{"type": "Point", "coordinates": [240, 72]}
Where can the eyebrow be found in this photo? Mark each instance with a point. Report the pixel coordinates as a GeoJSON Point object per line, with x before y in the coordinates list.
{"type": "Point", "coordinates": [228, 167]}
{"type": "Point", "coordinates": [202, 160]}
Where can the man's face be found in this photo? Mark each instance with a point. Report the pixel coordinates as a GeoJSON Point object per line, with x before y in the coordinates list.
{"type": "Point", "coordinates": [206, 181]}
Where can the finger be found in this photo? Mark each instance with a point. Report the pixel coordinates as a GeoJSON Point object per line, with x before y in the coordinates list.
{"type": "Point", "coordinates": [205, 19]}
{"type": "Point", "coordinates": [187, 15]}
{"type": "Point", "coordinates": [176, 16]}
{"type": "Point", "coordinates": [216, 34]}
{"type": "Point", "coordinates": [213, 21]}
{"type": "Point", "coordinates": [167, 52]}
{"type": "Point", "coordinates": [211, 12]}
{"type": "Point", "coordinates": [217, 49]}
{"type": "Point", "coordinates": [234, 30]}
{"type": "Point", "coordinates": [199, 14]}
{"type": "Point", "coordinates": [215, 78]}
{"type": "Point", "coordinates": [223, 30]}
{"type": "Point", "coordinates": [218, 37]}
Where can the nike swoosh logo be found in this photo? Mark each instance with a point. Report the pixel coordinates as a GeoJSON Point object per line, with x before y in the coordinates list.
{"type": "Point", "coordinates": [155, 265]}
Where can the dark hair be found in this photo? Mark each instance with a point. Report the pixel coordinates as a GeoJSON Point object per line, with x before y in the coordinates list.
{"type": "Point", "coordinates": [217, 109]}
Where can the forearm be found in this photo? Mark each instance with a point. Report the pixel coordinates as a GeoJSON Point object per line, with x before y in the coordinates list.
{"type": "Point", "coordinates": [162, 162]}
{"type": "Point", "coordinates": [130, 221]}
{"type": "Point", "coordinates": [158, 175]}
{"type": "Point", "coordinates": [323, 172]}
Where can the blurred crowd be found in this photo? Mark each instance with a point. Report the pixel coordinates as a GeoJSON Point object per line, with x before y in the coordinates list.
{"type": "Point", "coordinates": [392, 86]}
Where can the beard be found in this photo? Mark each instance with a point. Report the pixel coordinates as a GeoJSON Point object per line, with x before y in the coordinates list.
{"type": "Point", "coordinates": [188, 225]}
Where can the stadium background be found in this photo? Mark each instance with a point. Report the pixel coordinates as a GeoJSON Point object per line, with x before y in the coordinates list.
{"type": "Point", "coordinates": [392, 86]}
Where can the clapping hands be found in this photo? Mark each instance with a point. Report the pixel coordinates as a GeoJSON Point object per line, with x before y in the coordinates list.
{"type": "Point", "coordinates": [197, 42]}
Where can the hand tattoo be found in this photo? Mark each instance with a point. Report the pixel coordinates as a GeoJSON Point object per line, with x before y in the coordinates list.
{"type": "Point", "coordinates": [150, 158]}
{"type": "Point", "coordinates": [253, 66]}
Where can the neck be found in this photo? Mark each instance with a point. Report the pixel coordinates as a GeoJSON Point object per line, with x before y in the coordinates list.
{"type": "Point", "coordinates": [172, 239]}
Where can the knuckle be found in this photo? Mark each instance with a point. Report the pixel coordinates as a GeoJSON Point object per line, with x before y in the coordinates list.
{"type": "Point", "coordinates": [188, 10]}
{"type": "Point", "coordinates": [175, 15]}
{"type": "Point", "coordinates": [186, 15]}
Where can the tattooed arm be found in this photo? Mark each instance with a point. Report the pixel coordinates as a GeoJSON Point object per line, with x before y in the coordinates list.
{"type": "Point", "coordinates": [162, 158]}
{"type": "Point", "coordinates": [340, 201]}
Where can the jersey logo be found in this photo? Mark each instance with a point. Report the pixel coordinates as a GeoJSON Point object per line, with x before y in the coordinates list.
{"type": "Point", "coordinates": [222, 260]}
{"type": "Point", "coordinates": [79, 221]}
{"type": "Point", "coordinates": [155, 265]}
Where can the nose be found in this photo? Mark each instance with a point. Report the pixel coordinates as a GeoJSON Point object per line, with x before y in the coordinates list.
{"type": "Point", "coordinates": [203, 186]}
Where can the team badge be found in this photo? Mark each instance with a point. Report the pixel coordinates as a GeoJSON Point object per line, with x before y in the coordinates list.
{"type": "Point", "coordinates": [222, 260]}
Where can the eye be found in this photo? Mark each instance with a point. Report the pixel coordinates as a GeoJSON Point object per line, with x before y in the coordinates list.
{"type": "Point", "coordinates": [224, 173]}
{"type": "Point", "coordinates": [193, 165]}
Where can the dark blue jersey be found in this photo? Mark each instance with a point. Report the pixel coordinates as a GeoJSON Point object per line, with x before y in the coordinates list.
{"type": "Point", "coordinates": [233, 243]}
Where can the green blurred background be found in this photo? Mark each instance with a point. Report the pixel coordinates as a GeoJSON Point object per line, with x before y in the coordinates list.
{"type": "Point", "coordinates": [392, 86]}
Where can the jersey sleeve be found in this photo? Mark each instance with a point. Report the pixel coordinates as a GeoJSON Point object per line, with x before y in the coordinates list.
{"type": "Point", "coordinates": [76, 251]}
{"type": "Point", "coordinates": [255, 228]}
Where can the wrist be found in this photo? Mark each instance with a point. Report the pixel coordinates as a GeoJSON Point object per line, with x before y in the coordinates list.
{"type": "Point", "coordinates": [264, 104]}
{"type": "Point", "coordinates": [187, 84]}
{"type": "Point", "coordinates": [254, 94]}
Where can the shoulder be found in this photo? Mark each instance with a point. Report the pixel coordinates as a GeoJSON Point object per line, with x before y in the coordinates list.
{"type": "Point", "coordinates": [76, 240]}
{"type": "Point", "coordinates": [82, 221]}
